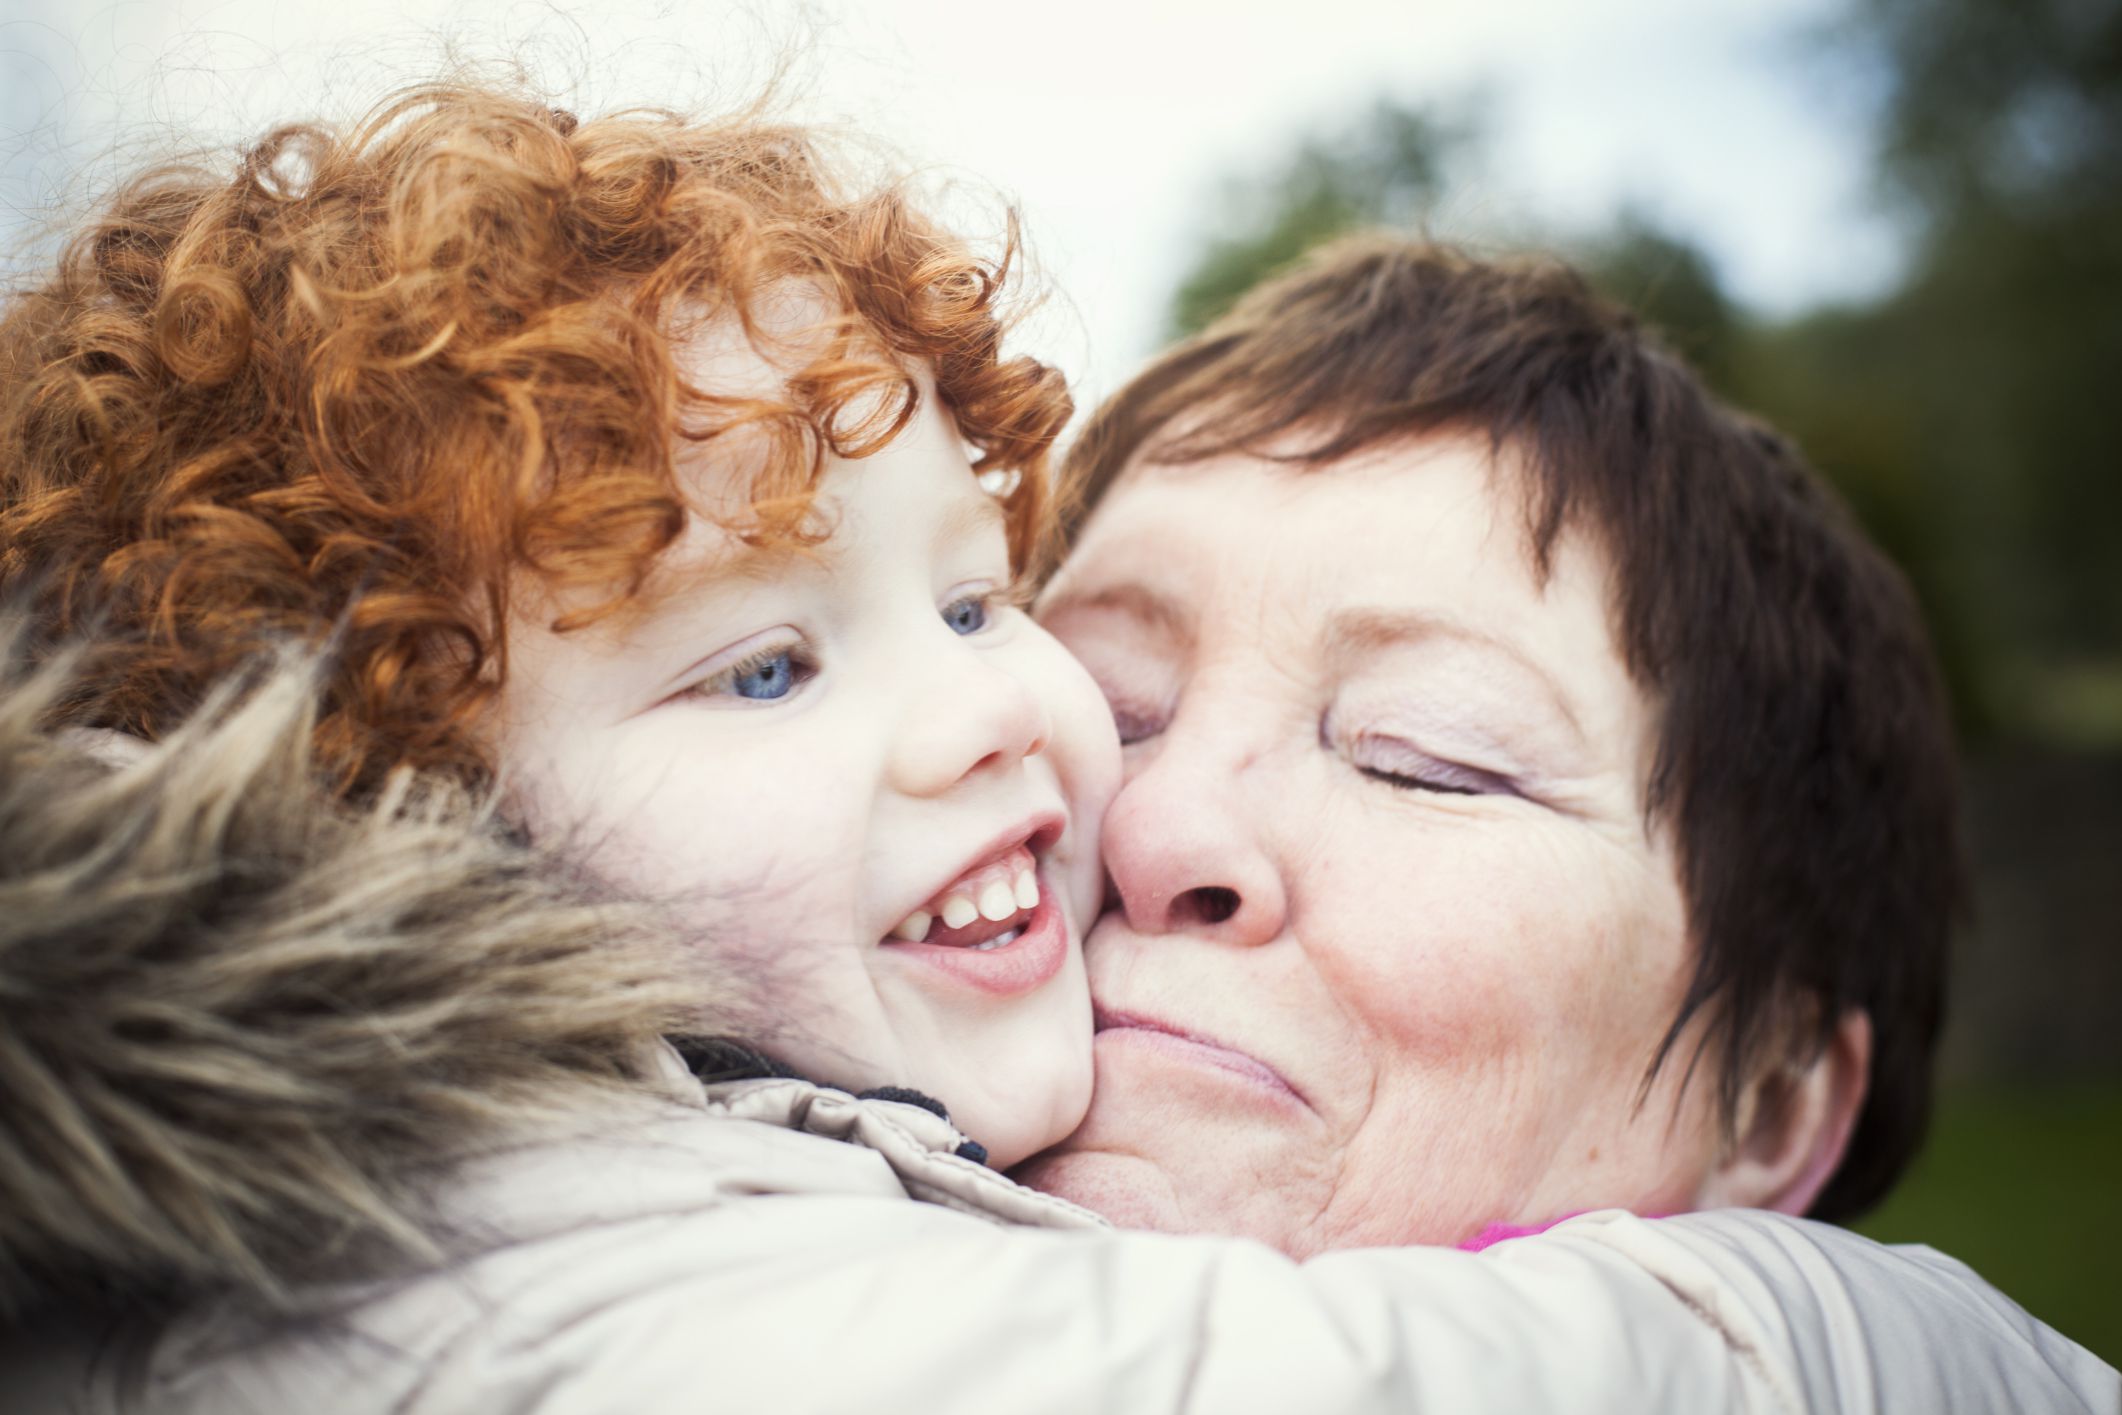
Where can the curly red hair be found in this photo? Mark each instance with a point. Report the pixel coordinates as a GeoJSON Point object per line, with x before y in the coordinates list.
{"type": "Point", "coordinates": [359, 386]}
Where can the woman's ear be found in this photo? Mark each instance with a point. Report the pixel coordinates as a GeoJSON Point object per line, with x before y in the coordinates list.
{"type": "Point", "coordinates": [1793, 1125]}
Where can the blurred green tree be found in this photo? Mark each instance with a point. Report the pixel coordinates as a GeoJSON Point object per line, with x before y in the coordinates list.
{"type": "Point", "coordinates": [1389, 168]}
{"type": "Point", "coordinates": [1970, 415]}
{"type": "Point", "coordinates": [1673, 285]}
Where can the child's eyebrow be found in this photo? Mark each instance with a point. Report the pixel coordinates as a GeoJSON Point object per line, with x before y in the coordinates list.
{"type": "Point", "coordinates": [970, 516]}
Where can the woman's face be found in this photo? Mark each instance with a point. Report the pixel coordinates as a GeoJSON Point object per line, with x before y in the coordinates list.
{"type": "Point", "coordinates": [868, 781]}
{"type": "Point", "coordinates": [1392, 945]}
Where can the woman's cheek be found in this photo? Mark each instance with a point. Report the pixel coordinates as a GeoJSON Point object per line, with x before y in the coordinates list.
{"type": "Point", "coordinates": [1423, 926]}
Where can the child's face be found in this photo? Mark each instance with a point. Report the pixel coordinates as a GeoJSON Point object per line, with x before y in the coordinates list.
{"type": "Point", "coordinates": [808, 751]}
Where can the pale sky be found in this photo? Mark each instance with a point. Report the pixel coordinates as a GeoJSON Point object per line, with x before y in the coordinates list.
{"type": "Point", "coordinates": [1111, 123]}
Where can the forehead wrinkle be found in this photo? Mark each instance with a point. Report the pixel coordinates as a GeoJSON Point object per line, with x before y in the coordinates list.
{"type": "Point", "coordinates": [1371, 630]}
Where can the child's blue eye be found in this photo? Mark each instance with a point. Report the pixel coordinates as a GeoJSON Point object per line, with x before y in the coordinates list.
{"type": "Point", "coordinates": [771, 677]}
{"type": "Point", "coordinates": [966, 616]}
{"type": "Point", "coordinates": [767, 676]}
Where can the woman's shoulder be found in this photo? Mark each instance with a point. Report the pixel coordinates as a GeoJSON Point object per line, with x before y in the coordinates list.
{"type": "Point", "coordinates": [1830, 1311]}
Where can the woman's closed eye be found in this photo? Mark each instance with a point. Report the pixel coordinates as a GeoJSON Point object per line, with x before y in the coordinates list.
{"type": "Point", "coordinates": [1141, 673]}
{"type": "Point", "coordinates": [1400, 765]}
{"type": "Point", "coordinates": [1139, 713]}
{"type": "Point", "coordinates": [1135, 720]}
{"type": "Point", "coordinates": [1134, 727]}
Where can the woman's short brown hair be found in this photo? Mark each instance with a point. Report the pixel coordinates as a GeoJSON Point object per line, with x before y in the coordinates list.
{"type": "Point", "coordinates": [363, 377]}
{"type": "Point", "coordinates": [1804, 763]}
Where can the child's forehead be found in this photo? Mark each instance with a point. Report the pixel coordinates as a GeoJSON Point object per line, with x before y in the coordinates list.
{"type": "Point", "coordinates": [711, 554]}
{"type": "Point", "coordinates": [783, 330]}
{"type": "Point", "coordinates": [719, 548]}
{"type": "Point", "coordinates": [751, 513]}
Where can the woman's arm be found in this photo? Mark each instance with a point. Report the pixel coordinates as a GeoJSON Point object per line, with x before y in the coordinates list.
{"type": "Point", "coordinates": [827, 1303]}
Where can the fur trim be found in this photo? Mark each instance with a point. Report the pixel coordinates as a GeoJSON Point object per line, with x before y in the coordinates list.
{"type": "Point", "coordinates": [241, 1029]}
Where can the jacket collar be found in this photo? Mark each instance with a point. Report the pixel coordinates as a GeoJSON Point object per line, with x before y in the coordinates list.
{"type": "Point", "coordinates": [931, 1158]}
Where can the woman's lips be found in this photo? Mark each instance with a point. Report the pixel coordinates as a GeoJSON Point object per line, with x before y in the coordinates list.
{"type": "Point", "coordinates": [1190, 1047]}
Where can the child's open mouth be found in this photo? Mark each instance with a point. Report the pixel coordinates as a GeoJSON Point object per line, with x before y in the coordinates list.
{"type": "Point", "coordinates": [995, 927]}
{"type": "Point", "coordinates": [984, 908]}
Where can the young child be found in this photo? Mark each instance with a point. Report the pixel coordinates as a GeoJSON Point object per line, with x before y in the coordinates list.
{"type": "Point", "coordinates": [860, 756]}
{"type": "Point", "coordinates": [638, 468]}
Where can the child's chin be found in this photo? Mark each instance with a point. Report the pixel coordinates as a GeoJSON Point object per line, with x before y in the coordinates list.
{"type": "Point", "coordinates": [1029, 1107]}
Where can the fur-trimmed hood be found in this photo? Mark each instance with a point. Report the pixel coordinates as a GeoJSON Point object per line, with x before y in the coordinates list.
{"type": "Point", "coordinates": [241, 1027]}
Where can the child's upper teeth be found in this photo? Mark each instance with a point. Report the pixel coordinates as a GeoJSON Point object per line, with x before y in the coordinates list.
{"type": "Point", "coordinates": [998, 901]}
{"type": "Point", "coordinates": [997, 891]}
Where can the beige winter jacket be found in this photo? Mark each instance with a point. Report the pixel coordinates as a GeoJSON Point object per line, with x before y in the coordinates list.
{"type": "Point", "coordinates": [300, 1113]}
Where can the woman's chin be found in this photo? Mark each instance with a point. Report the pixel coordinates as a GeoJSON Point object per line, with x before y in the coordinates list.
{"type": "Point", "coordinates": [1126, 1189]}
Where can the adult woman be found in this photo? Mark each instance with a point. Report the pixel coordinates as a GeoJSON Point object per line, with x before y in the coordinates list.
{"type": "Point", "coordinates": [370, 1112]}
{"type": "Point", "coordinates": [1539, 792]}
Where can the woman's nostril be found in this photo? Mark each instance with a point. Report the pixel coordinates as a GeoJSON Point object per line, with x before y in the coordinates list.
{"type": "Point", "coordinates": [1210, 904]}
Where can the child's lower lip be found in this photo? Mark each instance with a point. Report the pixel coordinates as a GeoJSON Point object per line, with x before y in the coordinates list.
{"type": "Point", "coordinates": [1035, 956]}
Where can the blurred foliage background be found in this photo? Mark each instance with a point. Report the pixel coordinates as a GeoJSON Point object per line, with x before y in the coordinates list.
{"type": "Point", "coordinates": [1972, 417]}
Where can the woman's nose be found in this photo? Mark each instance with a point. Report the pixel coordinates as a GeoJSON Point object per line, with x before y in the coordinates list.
{"type": "Point", "coordinates": [1186, 855]}
{"type": "Point", "coordinates": [968, 716]}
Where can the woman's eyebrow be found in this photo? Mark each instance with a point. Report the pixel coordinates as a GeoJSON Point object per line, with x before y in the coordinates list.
{"type": "Point", "coordinates": [1354, 631]}
{"type": "Point", "coordinates": [1137, 601]}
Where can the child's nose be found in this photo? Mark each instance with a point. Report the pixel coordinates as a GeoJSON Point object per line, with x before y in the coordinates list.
{"type": "Point", "coordinates": [971, 716]}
